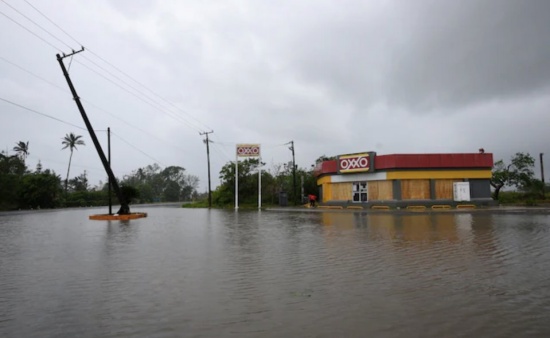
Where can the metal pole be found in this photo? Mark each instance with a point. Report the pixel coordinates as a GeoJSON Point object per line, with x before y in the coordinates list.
{"type": "Point", "coordinates": [124, 208]}
{"type": "Point", "coordinates": [109, 154]}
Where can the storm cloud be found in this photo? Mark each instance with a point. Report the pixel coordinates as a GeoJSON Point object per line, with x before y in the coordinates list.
{"type": "Point", "coordinates": [334, 76]}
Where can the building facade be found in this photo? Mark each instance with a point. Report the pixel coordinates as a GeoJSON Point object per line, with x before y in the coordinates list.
{"type": "Point", "coordinates": [401, 180]}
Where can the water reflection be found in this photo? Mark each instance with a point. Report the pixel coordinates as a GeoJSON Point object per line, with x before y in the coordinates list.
{"type": "Point", "coordinates": [207, 273]}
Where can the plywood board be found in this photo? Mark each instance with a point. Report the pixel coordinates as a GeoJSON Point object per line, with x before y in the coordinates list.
{"type": "Point", "coordinates": [444, 189]}
{"type": "Point", "coordinates": [415, 189]}
{"type": "Point", "coordinates": [341, 192]}
{"type": "Point", "coordinates": [380, 190]}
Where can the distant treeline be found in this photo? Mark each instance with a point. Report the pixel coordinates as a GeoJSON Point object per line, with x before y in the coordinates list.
{"type": "Point", "coordinates": [21, 188]}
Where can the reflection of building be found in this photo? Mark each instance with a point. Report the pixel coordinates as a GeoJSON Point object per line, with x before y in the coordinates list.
{"type": "Point", "coordinates": [405, 179]}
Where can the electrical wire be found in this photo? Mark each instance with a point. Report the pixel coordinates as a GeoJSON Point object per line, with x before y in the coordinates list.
{"type": "Point", "coordinates": [52, 22]}
{"type": "Point", "coordinates": [39, 113]}
{"type": "Point", "coordinates": [33, 33]}
{"type": "Point", "coordinates": [140, 97]}
{"type": "Point", "coordinates": [141, 151]}
{"type": "Point", "coordinates": [175, 117]}
{"type": "Point", "coordinates": [91, 104]}
{"type": "Point", "coordinates": [117, 69]}
{"type": "Point", "coordinates": [36, 24]}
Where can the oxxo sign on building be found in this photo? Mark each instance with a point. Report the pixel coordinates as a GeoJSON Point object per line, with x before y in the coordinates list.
{"type": "Point", "coordinates": [354, 163]}
{"type": "Point", "coordinates": [248, 150]}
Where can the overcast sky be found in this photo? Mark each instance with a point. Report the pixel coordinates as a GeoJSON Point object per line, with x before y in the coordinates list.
{"type": "Point", "coordinates": [335, 77]}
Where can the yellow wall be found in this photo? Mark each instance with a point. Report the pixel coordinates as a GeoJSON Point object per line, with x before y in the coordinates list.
{"type": "Point", "coordinates": [327, 192]}
{"type": "Point", "coordinates": [323, 180]}
{"type": "Point", "coordinates": [438, 174]}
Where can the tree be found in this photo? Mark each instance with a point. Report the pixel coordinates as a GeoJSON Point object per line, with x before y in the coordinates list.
{"type": "Point", "coordinates": [40, 190]}
{"type": "Point", "coordinates": [519, 173]}
{"type": "Point", "coordinates": [12, 164]}
{"type": "Point", "coordinates": [155, 184]}
{"type": "Point", "coordinates": [248, 183]}
{"type": "Point", "coordinates": [71, 141]}
{"type": "Point", "coordinates": [22, 149]}
{"type": "Point", "coordinates": [79, 183]}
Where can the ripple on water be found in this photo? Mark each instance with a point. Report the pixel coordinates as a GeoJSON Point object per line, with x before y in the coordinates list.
{"type": "Point", "coordinates": [204, 273]}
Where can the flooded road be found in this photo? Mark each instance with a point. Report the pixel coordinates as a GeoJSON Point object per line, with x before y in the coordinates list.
{"type": "Point", "coordinates": [218, 273]}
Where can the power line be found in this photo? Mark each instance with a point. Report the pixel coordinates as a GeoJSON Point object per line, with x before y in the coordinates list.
{"type": "Point", "coordinates": [39, 113]}
{"type": "Point", "coordinates": [141, 151]}
{"type": "Point", "coordinates": [91, 104]}
{"type": "Point", "coordinates": [149, 90]}
{"type": "Point", "coordinates": [53, 23]}
{"type": "Point", "coordinates": [28, 30]}
{"type": "Point", "coordinates": [136, 96]}
{"type": "Point", "coordinates": [36, 24]}
{"type": "Point", "coordinates": [175, 117]}
{"type": "Point", "coordinates": [163, 109]}
{"type": "Point", "coordinates": [115, 67]}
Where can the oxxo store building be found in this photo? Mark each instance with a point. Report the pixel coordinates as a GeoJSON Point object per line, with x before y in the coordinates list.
{"type": "Point", "coordinates": [402, 180]}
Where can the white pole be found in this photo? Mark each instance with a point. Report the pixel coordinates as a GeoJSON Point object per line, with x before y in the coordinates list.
{"type": "Point", "coordinates": [259, 183]}
{"type": "Point", "coordinates": [236, 180]}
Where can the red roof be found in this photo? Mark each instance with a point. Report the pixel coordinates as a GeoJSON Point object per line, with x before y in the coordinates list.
{"type": "Point", "coordinates": [419, 161]}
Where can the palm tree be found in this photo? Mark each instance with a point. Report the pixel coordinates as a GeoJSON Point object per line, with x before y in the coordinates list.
{"type": "Point", "coordinates": [22, 149]}
{"type": "Point", "coordinates": [71, 141]}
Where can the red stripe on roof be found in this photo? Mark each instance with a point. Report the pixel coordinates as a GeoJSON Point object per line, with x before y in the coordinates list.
{"type": "Point", "coordinates": [409, 161]}
{"type": "Point", "coordinates": [419, 161]}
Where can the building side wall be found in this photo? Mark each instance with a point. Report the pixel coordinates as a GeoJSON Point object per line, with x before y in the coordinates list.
{"type": "Point", "coordinates": [480, 188]}
{"type": "Point", "coordinates": [406, 186]}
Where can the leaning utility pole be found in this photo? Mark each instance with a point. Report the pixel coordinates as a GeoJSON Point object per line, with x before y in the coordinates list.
{"type": "Point", "coordinates": [109, 154]}
{"type": "Point", "coordinates": [293, 171]}
{"type": "Point", "coordinates": [124, 208]}
{"type": "Point", "coordinates": [208, 159]}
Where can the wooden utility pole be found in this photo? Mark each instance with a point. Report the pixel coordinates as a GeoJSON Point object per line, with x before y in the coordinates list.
{"type": "Point", "coordinates": [542, 176]}
{"type": "Point", "coordinates": [293, 172]}
{"type": "Point", "coordinates": [208, 159]}
{"type": "Point", "coordinates": [124, 207]}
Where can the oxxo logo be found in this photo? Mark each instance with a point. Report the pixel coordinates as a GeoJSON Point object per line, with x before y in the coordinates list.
{"type": "Point", "coordinates": [248, 150]}
{"type": "Point", "coordinates": [354, 163]}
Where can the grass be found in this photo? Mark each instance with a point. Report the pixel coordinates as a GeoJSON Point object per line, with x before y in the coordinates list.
{"type": "Point", "coordinates": [514, 198]}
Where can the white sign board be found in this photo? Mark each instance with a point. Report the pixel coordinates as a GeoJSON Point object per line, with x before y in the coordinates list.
{"type": "Point", "coordinates": [461, 191]}
{"type": "Point", "coordinates": [248, 150]}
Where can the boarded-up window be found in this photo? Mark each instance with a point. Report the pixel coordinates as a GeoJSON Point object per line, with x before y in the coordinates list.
{"type": "Point", "coordinates": [340, 192]}
{"type": "Point", "coordinates": [444, 189]}
{"type": "Point", "coordinates": [380, 190]}
{"type": "Point", "coordinates": [415, 189]}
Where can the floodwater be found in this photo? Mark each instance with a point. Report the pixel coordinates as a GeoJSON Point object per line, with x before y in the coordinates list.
{"type": "Point", "coordinates": [221, 273]}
